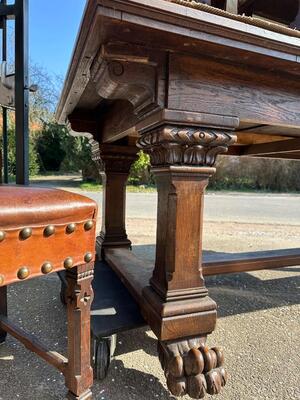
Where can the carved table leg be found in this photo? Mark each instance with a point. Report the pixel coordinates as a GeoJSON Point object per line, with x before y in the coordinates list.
{"type": "Point", "coordinates": [115, 168]}
{"type": "Point", "coordinates": [3, 310]}
{"type": "Point", "coordinates": [79, 375]}
{"type": "Point", "coordinates": [179, 310]}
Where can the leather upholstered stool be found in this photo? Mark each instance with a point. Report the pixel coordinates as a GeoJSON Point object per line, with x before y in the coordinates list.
{"type": "Point", "coordinates": [43, 231]}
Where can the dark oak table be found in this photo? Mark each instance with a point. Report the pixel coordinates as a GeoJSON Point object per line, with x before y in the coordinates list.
{"type": "Point", "coordinates": [185, 85]}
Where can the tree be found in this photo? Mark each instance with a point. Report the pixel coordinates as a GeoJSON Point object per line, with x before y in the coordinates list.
{"type": "Point", "coordinates": [49, 146]}
{"type": "Point", "coordinates": [43, 101]}
{"type": "Point", "coordinates": [33, 157]}
{"type": "Point", "coordinates": [140, 171]}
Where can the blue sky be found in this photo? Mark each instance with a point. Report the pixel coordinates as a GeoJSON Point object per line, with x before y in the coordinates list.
{"type": "Point", "coordinates": [53, 27]}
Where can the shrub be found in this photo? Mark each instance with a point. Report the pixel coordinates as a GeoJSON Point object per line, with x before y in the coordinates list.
{"type": "Point", "coordinates": [33, 157]}
{"type": "Point", "coordinates": [49, 146]}
{"type": "Point", "coordinates": [246, 173]}
{"type": "Point", "coordinates": [140, 171]}
{"type": "Point", "coordinates": [60, 151]}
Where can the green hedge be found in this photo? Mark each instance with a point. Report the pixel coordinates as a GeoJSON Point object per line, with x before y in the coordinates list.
{"type": "Point", "coordinates": [237, 173]}
{"type": "Point", "coordinates": [52, 148]}
{"type": "Point", "coordinates": [34, 166]}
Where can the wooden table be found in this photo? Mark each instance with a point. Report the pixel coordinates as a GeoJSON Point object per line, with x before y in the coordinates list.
{"type": "Point", "coordinates": [184, 85]}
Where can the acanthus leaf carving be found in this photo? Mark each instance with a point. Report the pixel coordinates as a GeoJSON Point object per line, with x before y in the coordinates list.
{"type": "Point", "coordinates": [169, 145]}
{"type": "Point", "coordinates": [113, 158]}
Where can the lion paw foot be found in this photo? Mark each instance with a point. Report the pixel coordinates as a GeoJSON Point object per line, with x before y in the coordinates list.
{"type": "Point", "coordinates": [195, 371]}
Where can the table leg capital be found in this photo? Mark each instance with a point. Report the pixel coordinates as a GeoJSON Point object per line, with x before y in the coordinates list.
{"type": "Point", "coordinates": [184, 145]}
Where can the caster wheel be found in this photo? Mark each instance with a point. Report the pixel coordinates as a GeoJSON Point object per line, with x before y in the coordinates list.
{"type": "Point", "coordinates": [103, 351]}
{"type": "Point", "coordinates": [63, 293]}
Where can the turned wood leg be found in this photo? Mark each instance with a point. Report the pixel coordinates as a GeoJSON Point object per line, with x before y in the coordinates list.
{"type": "Point", "coordinates": [3, 310]}
{"type": "Point", "coordinates": [79, 375]}
{"type": "Point", "coordinates": [115, 168]}
{"type": "Point", "coordinates": [179, 310]}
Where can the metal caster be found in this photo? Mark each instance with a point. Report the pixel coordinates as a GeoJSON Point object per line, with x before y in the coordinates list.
{"type": "Point", "coordinates": [113, 310]}
{"type": "Point", "coordinates": [103, 350]}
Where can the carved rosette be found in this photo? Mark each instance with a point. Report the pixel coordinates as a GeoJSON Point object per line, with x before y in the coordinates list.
{"type": "Point", "coordinates": [192, 368]}
{"type": "Point", "coordinates": [192, 146]}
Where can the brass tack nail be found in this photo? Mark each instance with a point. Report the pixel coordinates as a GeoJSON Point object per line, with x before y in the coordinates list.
{"type": "Point", "coordinates": [1, 280]}
{"type": "Point", "coordinates": [68, 263]}
{"type": "Point", "coordinates": [2, 236]}
{"type": "Point", "coordinates": [88, 257]}
{"type": "Point", "coordinates": [88, 225]}
{"type": "Point", "coordinates": [49, 230]}
{"type": "Point", "coordinates": [47, 268]}
{"type": "Point", "coordinates": [23, 273]}
{"type": "Point", "coordinates": [71, 228]}
{"type": "Point", "coordinates": [25, 233]}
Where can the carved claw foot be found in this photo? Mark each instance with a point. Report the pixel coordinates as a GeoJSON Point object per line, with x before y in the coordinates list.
{"type": "Point", "coordinates": [192, 368]}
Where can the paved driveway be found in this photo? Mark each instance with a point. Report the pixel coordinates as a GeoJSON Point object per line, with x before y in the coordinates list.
{"type": "Point", "coordinates": [233, 207]}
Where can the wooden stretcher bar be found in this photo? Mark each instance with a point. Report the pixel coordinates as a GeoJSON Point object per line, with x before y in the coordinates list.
{"type": "Point", "coordinates": [31, 343]}
{"type": "Point", "coordinates": [222, 263]}
{"type": "Point", "coordinates": [136, 273]}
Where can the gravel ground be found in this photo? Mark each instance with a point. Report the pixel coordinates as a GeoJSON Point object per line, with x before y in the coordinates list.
{"type": "Point", "coordinates": [258, 327]}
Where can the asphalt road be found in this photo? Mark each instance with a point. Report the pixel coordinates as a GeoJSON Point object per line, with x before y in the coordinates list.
{"type": "Point", "coordinates": [232, 207]}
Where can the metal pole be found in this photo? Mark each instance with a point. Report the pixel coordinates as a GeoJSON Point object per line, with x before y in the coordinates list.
{"type": "Point", "coordinates": [22, 92]}
{"type": "Point", "coordinates": [5, 145]}
{"type": "Point", "coordinates": [4, 110]}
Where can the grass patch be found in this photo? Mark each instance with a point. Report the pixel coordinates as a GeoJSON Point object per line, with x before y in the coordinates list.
{"type": "Point", "coordinates": [90, 186]}
{"type": "Point", "coordinates": [96, 187]}
{"type": "Point", "coordinates": [141, 189]}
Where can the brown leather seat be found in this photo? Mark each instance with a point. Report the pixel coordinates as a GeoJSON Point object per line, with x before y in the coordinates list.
{"type": "Point", "coordinates": [43, 230]}
{"type": "Point", "coordinates": [31, 205]}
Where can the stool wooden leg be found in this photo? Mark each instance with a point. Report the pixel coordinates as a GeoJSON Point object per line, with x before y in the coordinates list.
{"type": "Point", "coordinates": [3, 310]}
{"type": "Point", "coordinates": [79, 375]}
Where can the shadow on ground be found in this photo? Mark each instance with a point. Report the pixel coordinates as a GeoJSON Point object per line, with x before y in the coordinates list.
{"type": "Point", "coordinates": [243, 292]}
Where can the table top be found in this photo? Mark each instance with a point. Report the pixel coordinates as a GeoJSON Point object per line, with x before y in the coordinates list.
{"type": "Point", "coordinates": [141, 33]}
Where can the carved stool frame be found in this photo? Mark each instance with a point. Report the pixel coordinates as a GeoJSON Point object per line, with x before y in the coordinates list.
{"type": "Point", "coordinates": [76, 368]}
{"type": "Point", "coordinates": [68, 247]}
